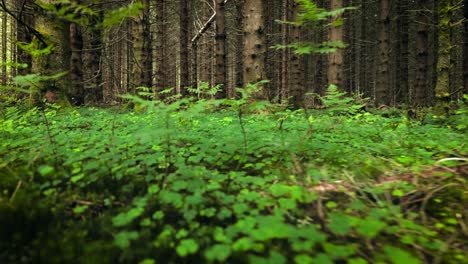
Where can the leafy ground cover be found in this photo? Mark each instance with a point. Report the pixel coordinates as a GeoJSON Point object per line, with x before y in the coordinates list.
{"type": "Point", "coordinates": [181, 183]}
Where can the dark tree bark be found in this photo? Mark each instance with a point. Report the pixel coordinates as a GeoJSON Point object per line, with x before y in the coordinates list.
{"type": "Point", "coordinates": [442, 89]}
{"type": "Point", "coordinates": [185, 33]}
{"type": "Point", "coordinates": [239, 68]}
{"type": "Point", "coordinates": [95, 63]}
{"type": "Point", "coordinates": [383, 92]}
{"type": "Point", "coordinates": [76, 65]}
{"type": "Point", "coordinates": [422, 47]}
{"type": "Point", "coordinates": [284, 54]}
{"type": "Point", "coordinates": [296, 64]}
{"type": "Point", "coordinates": [147, 51]}
{"type": "Point", "coordinates": [465, 53]}
{"type": "Point", "coordinates": [161, 47]}
{"type": "Point", "coordinates": [402, 52]}
{"type": "Point", "coordinates": [4, 47]}
{"type": "Point", "coordinates": [220, 50]}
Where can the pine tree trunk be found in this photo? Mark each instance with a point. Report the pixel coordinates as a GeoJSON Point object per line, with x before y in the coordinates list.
{"type": "Point", "coordinates": [254, 43]}
{"type": "Point", "coordinates": [161, 64]}
{"type": "Point", "coordinates": [94, 63]}
{"type": "Point", "coordinates": [147, 47]}
{"type": "Point", "coordinates": [76, 65]}
{"type": "Point", "coordinates": [465, 53]}
{"type": "Point", "coordinates": [24, 37]}
{"type": "Point", "coordinates": [402, 52]}
{"type": "Point", "coordinates": [4, 47]}
{"type": "Point", "coordinates": [335, 59]}
{"type": "Point", "coordinates": [442, 89]}
{"type": "Point", "coordinates": [239, 46]}
{"type": "Point", "coordinates": [284, 54]}
{"type": "Point", "coordinates": [383, 93]}
{"type": "Point", "coordinates": [422, 67]}
{"type": "Point", "coordinates": [296, 64]}
{"type": "Point", "coordinates": [185, 33]}
{"type": "Point", "coordinates": [220, 50]}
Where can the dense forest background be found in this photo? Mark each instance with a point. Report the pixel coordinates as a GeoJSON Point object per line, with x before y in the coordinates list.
{"type": "Point", "coordinates": [229, 131]}
{"type": "Point", "coordinates": [399, 52]}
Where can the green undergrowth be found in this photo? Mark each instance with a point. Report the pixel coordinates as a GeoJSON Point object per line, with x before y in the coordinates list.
{"type": "Point", "coordinates": [219, 182]}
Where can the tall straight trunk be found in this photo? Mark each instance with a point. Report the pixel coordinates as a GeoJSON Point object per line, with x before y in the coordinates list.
{"type": "Point", "coordinates": [142, 61]}
{"type": "Point", "coordinates": [4, 47]}
{"type": "Point", "coordinates": [335, 59]}
{"type": "Point", "coordinates": [146, 49]}
{"type": "Point", "coordinates": [296, 64]}
{"type": "Point", "coordinates": [94, 64]}
{"type": "Point", "coordinates": [220, 50]}
{"type": "Point", "coordinates": [402, 52]}
{"type": "Point", "coordinates": [161, 64]}
{"type": "Point", "coordinates": [422, 47]}
{"type": "Point", "coordinates": [254, 43]}
{"type": "Point", "coordinates": [24, 37]}
{"type": "Point", "coordinates": [442, 89]}
{"type": "Point", "coordinates": [13, 37]}
{"type": "Point", "coordinates": [239, 46]}
{"type": "Point", "coordinates": [205, 49]}
{"type": "Point", "coordinates": [76, 65]}
{"type": "Point", "coordinates": [185, 32]}
{"type": "Point", "coordinates": [465, 49]}
{"type": "Point", "coordinates": [57, 34]}
{"type": "Point", "coordinates": [284, 54]}
{"type": "Point", "coordinates": [383, 91]}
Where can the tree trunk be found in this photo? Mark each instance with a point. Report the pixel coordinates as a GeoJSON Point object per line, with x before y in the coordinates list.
{"type": "Point", "coordinates": [296, 64]}
{"type": "Point", "coordinates": [284, 54]}
{"type": "Point", "coordinates": [422, 67]}
{"type": "Point", "coordinates": [4, 47]}
{"type": "Point", "coordinates": [239, 46]}
{"type": "Point", "coordinates": [465, 53]}
{"type": "Point", "coordinates": [335, 59]}
{"type": "Point", "coordinates": [76, 65]}
{"type": "Point", "coordinates": [254, 43]}
{"type": "Point", "coordinates": [141, 37]}
{"type": "Point", "coordinates": [94, 65]}
{"type": "Point", "coordinates": [402, 52]}
{"type": "Point", "coordinates": [442, 89]}
{"type": "Point", "coordinates": [383, 93]}
{"type": "Point", "coordinates": [24, 37]}
{"type": "Point", "coordinates": [185, 33]}
{"type": "Point", "coordinates": [220, 50]}
{"type": "Point", "coordinates": [147, 47]}
{"type": "Point", "coordinates": [161, 64]}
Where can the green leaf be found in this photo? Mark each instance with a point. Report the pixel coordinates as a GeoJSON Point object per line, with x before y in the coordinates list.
{"type": "Point", "coordinates": [303, 259]}
{"type": "Point", "coordinates": [370, 227]}
{"type": "Point", "coordinates": [400, 256]}
{"type": "Point", "coordinates": [187, 247]}
{"type": "Point", "coordinates": [126, 218]}
{"type": "Point", "coordinates": [147, 261]}
{"type": "Point", "coordinates": [243, 244]}
{"type": "Point", "coordinates": [77, 178]}
{"type": "Point", "coordinates": [122, 239]}
{"type": "Point", "coordinates": [340, 224]}
{"type": "Point", "coordinates": [46, 170]}
{"type": "Point", "coordinates": [219, 252]}
{"type": "Point", "coordinates": [80, 209]}
{"type": "Point", "coordinates": [398, 193]}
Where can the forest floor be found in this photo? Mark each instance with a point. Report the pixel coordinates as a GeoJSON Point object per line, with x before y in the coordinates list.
{"type": "Point", "coordinates": [188, 184]}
